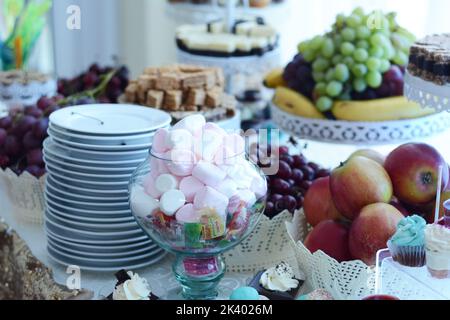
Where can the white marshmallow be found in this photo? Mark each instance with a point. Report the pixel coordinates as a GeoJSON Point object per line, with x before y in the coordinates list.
{"type": "Point", "coordinates": [208, 173]}
{"type": "Point", "coordinates": [208, 144]}
{"type": "Point", "coordinates": [259, 187]}
{"type": "Point", "coordinates": [236, 143]}
{"type": "Point", "coordinates": [166, 182]}
{"type": "Point", "coordinates": [208, 198]}
{"type": "Point", "coordinates": [191, 123]}
{"type": "Point", "coordinates": [171, 201]}
{"type": "Point", "coordinates": [248, 197]}
{"type": "Point", "coordinates": [190, 186]}
{"type": "Point", "coordinates": [214, 127]}
{"type": "Point", "coordinates": [227, 187]}
{"type": "Point", "coordinates": [187, 214]}
{"type": "Point", "coordinates": [179, 139]}
{"type": "Point", "coordinates": [142, 204]}
{"type": "Point", "coordinates": [239, 175]}
{"type": "Point", "coordinates": [225, 156]}
{"type": "Point", "coordinates": [159, 141]}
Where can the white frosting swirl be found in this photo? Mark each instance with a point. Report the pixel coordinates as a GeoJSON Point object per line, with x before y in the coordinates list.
{"type": "Point", "coordinates": [136, 288]}
{"type": "Point", "coordinates": [279, 278]}
{"type": "Point", "coordinates": [437, 239]}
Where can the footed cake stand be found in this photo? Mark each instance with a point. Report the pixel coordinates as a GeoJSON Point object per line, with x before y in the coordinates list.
{"type": "Point", "coordinates": [427, 94]}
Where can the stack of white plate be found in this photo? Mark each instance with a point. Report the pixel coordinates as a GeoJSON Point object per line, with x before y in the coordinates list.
{"type": "Point", "coordinates": [90, 156]}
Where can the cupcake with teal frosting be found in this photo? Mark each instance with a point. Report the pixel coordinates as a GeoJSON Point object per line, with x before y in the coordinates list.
{"type": "Point", "coordinates": [407, 245]}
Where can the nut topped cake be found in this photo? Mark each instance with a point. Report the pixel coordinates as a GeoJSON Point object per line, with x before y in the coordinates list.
{"type": "Point", "coordinates": [248, 37]}
{"type": "Point", "coordinates": [182, 90]}
{"type": "Point", "coordinates": [430, 59]}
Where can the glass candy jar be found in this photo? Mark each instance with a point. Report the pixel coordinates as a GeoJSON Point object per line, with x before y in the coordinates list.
{"type": "Point", "coordinates": [197, 210]}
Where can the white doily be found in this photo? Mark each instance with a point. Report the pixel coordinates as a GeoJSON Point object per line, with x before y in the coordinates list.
{"type": "Point", "coordinates": [361, 133]}
{"type": "Point", "coordinates": [427, 93]}
{"type": "Point", "coordinates": [26, 194]}
{"type": "Point", "coordinates": [352, 280]}
{"type": "Point", "coordinates": [28, 94]}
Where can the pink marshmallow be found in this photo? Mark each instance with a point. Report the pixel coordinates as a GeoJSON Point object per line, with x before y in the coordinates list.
{"type": "Point", "coordinates": [191, 123]}
{"type": "Point", "coordinates": [207, 144]}
{"type": "Point", "coordinates": [214, 127]}
{"type": "Point", "coordinates": [208, 198]}
{"type": "Point", "coordinates": [158, 166]}
{"type": "Point", "coordinates": [187, 214]}
{"type": "Point", "coordinates": [159, 141]}
{"type": "Point", "coordinates": [150, 189]}
{"type": "Point", "coordinates": [182, 162]}
{"type": "Point", "coordinates": [225, 156]}
{"type": "Point", "coordinates": [208, 173]}
{"type": "Point", "coordinates": [190, 186]}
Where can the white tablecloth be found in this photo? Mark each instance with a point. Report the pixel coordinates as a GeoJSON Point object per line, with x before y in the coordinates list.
{"type": "Point", "coordinates": [159, 276]}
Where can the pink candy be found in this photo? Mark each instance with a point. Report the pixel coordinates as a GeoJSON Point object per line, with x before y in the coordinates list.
{"type": "Point", "coordinates": [208, 173]}
{"type": "Point", "coordinates": [182, 162]}
{"type": "Point", "coordinates": [187, 214]}
{"type": "Point", "coordinates": [190, 186]}
{"type": "Point", "coordinates": [159, 141]}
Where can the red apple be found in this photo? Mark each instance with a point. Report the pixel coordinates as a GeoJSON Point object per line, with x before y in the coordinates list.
{"type": "Point", "coordinates": [332, 238]}
{"type": "Point", "coordinates": [371, 154]}
{"type": "Point", "coordinates": [358, 183]}
{"type": "Point", "coordinates": [318, 204]}
{"type": "Point", "coordinates": [370, 232]}
{"type": "Point", "coordinates": [414, 171]}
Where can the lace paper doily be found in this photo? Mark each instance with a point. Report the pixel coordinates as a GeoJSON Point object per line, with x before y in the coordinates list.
{"type": "Point", "coordinates": [352, 280]}
{"type": "Point", "coordinates": [361, 133]}
{"type": "Point", "coordinates": [426, 93]}
{"type": "Point", "coordinates": [267, 246]}
{"type": "Point", "coordinates": [26, 194]}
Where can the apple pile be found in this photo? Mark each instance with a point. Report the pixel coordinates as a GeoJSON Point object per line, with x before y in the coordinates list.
{"type": "Point", "coordinates": [355, 211]}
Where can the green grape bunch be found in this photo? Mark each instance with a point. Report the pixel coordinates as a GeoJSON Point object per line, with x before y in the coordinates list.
{"type": "Point", "coordinates": [355, 54]}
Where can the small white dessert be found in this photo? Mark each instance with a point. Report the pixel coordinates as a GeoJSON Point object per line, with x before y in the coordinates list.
{"type": "Point", "coordinates": [136, 288]}
{"type": "Point", "coordinates": [280, 278]}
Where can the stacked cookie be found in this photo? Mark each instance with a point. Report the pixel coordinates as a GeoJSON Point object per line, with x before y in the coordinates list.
{"type": "Point", "coordinates": [178, 88]}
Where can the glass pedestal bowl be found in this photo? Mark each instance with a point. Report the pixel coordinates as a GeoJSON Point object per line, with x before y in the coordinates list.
{"type": "Point", "coordinates": [211, 221]}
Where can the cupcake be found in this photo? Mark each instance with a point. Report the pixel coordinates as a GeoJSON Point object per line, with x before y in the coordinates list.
{"type": "Point", "coordinates": [437, 247]}
{"type": "Point", "coordinates": [277, 283]}
{"type": "Point", "coordinates": [407, 246]}
{"type": "Point", "coordinates": [130, 286]}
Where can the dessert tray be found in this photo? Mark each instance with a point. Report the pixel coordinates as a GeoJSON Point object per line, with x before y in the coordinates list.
{"type": "Point", "coordinates": [427, 93]}
{"type": "Point", "coordinates": [361, 133]}
{"type": "Point", "coordinates": [408, 283]}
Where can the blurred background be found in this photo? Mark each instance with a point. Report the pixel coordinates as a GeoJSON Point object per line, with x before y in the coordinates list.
{"type": "Point", "coordinates": [142, 34]}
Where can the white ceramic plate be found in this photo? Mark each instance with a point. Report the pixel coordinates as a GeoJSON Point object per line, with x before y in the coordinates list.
{"type": "Point", "coordinates": [58, 190]}
{"type": "Point", "coordinates": [88, 267]}
{"type": "Point", "coordinates": [89, 219]}
{"type": "Point", "coordinates": [102, 140]}
{"type": "Point", "coordinates": [101, 260]}
{"type": "Point", "coordinates": [95, 193]}
{"type": "Point", "coordinates": [97, 235]}
{"type": "Point", "coordinates": [82, 250]}
{"type": "Point", "coordinates": [98, 213]}
{"type": "Point", "coordinates": [55, 151]}
{"type": "Point", "coordinates": [86, 183]}
{"type": "Point", "coordinates": [87, 205]}
{"type": "Point", "coordinates": [82, 146]}
{"type": "Point", "coordinates": [102, 246]}
{"type": "Point", "coordinates": [102, 155]}
{"type": "Point", "coordinates": [88, 169]}
{"type": "Point", "coordinates": [91, 176]}
{"type": "Point", "coordinates": [110, 119]}
{"type": "Point", "coordinates": [92, 227]}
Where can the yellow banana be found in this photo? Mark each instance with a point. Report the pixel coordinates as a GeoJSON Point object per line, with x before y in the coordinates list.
{"type": "Point", "coordinates": [295, 103]}
{"type": "Point", "coordinates": [274, 79]}
{"type": "Point", "coordinates": [396, 108]}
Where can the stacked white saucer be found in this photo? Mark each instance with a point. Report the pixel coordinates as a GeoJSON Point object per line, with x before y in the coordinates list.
{"type": "Point", "coordinates": [90, 155]}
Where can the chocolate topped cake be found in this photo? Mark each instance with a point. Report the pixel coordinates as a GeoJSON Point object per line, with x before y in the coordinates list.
{"type": "Point", "coordinates": [430, 59]}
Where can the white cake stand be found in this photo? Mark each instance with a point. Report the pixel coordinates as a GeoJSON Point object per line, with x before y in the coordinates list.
{"type": "Point", "coordinates": [427, 93]}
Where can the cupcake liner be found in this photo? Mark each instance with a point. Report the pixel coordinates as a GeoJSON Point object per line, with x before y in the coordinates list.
{"type": "Point", "coordinates": [410, 256]}
{"type": "Point", "coordinates": [438, 264]}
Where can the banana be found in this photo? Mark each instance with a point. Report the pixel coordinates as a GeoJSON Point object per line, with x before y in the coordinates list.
{"type": "Point", "coordinates": [396, 108]}
{"type": "Point", "coordinates": [274, 79]}
{"type": "Point", "coordinates": [295, 103]}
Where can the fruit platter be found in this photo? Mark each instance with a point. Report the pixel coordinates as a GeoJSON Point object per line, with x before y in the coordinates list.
{"type": "Point", "coordinates": [343, 226]}
{"type": "Point", "coordinates": [347, 86]}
